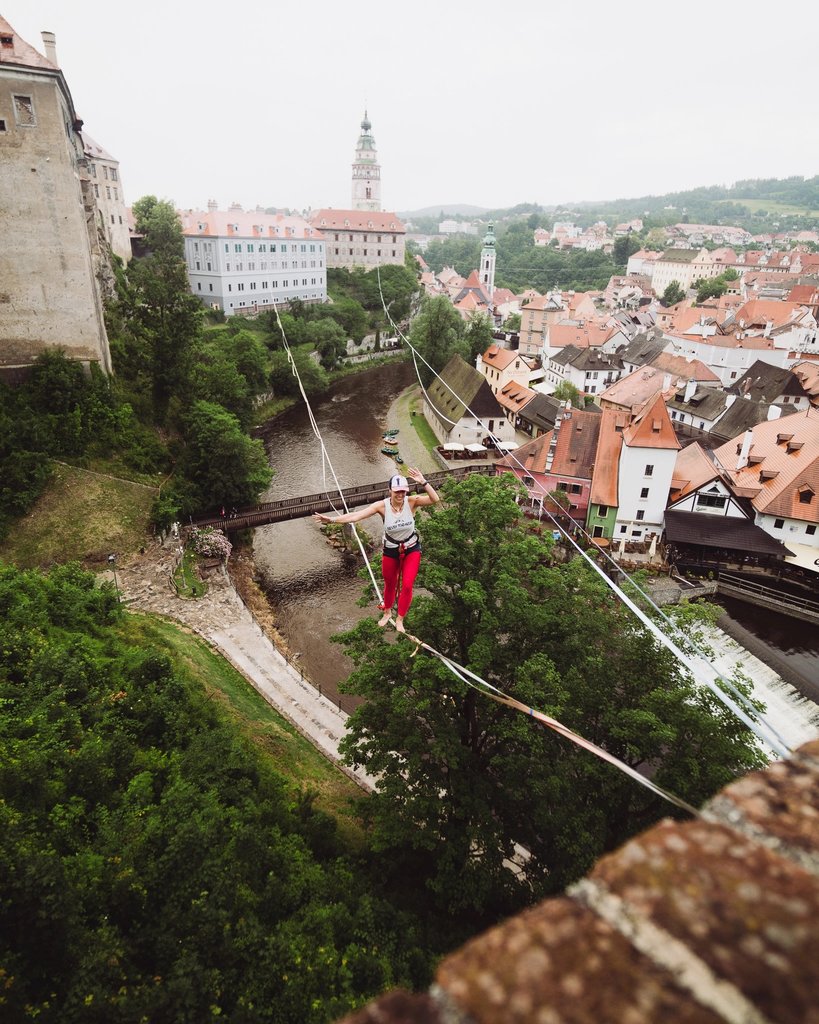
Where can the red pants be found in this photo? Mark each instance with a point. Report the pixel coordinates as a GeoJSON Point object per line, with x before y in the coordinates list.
{"type": "Point", "coordinates": [407, 566]}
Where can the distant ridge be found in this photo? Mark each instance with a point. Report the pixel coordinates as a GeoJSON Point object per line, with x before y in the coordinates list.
{"type": "Point", "coordinates": [448, 209]}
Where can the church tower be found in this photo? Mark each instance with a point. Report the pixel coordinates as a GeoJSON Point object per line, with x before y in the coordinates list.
{"type": "Point", "coordinates": [487, 274]}
{"type": "Point", "coordinates": [366, 171]}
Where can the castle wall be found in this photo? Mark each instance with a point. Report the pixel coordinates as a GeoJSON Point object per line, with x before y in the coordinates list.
{"type": "Point", "coordinates": [48, 291]}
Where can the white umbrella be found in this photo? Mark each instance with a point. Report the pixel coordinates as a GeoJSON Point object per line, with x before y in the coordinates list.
{"type": "Point", "coordinates": [453, 446]}
{"type": "Point", "coordinates": [475, 447]}
{"type": "Point", "coordinates": [507, 446]}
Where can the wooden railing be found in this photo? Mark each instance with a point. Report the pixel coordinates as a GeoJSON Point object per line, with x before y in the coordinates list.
{"type": "Point", "coordinates": [285, 509]}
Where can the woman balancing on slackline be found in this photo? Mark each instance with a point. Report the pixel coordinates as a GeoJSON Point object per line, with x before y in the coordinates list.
{"type": "Point", "coordinates": [402, 546]}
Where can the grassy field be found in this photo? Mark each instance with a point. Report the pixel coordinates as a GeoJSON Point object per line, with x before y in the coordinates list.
{"type": "Point", "coordinates": [418, 420]}
{"type": "Point", "coordinates": [290, 753]}
{"type": "Point", "coordinates": [772, 206]}
{"type": "Point", "coordinates": [83, 516]}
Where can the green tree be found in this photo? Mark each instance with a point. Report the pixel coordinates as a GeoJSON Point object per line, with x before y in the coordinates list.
{"type": "Point", "coordinates": [164, 317]}
{"type": "Point", "coordinates": [222, 464]}
{"type": "Point", "coordinates": [673, 294]}
{"type": "Point", "coordinates": [512, 322]}
{"type": "Point", "coordinates": [438, 334]}
{"type": "Point", "coordinates": [478, 335]}
{"type": "Point", "coordinates": [625, 247]}
{"type": "Point", "coordinates": [465, 783]}
{"type": "Point", "coordinates": [282, 379]}
{"type": "Point", "coordinates": [567, 392]}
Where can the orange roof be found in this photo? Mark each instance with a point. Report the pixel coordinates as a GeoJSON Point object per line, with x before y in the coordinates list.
{"type": "Point", "coordinates": [692, 469]}
{"type": "Point", "coordinates": [515, 396]}
{"type": "Point", "coordinates": [607, 460]}
{"type": "Point", "coordinates": [684, 369]}
{"type": "Point", "coordinates": [590, 334]}
{"type": "Point", "coordinates": [651, 428]}
{"type": "Point", "coordinates": [575, 451]}
{"type": "Point", "coordinates": [471, 301]}
{"type": "Point", "coordinates": [499, 358]}
{"type": "Point", "coordinates": [636, 388]}
{"type": "Point", "coordinates": [783, 462]}
{"type": "Point", "coordinates": [356, 220]}
{"type": "Point", "coordinates": [760, 312]}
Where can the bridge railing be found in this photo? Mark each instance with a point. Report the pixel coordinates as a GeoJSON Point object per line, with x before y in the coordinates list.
{"type": "Point", "coordinates": [285, 509]}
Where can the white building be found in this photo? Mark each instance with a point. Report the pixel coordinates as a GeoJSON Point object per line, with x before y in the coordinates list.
{"type": "Point", "coordinates": [250, 262]}
{"type": "Point", "coordinates": [647, 459]}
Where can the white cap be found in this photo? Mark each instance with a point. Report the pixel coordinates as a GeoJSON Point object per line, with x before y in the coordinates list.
{"type": "Point", "coordinates": [398, 483]}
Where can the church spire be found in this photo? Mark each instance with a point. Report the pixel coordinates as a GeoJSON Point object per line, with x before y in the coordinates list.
{"type": "Point", "coordinates": [366, 171]}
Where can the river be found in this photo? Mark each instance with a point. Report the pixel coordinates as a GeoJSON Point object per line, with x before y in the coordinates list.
{"type": "Point", "coordinates": [314, 589]}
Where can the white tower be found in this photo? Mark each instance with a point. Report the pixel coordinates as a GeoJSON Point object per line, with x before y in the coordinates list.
{"type": "Point", "coordinates": [487, 273]}
{"type": "Point", "coordinates": [366, 171]}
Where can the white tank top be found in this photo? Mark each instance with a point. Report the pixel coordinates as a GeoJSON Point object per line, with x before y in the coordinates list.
{"type": "Point", "coordinates": [399, 525]}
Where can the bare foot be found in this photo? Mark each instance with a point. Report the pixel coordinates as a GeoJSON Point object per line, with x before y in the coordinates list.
{"type": "Point", "coordinates": [385, 618]}
{"type": "Point", "coordinates": [399, 625]}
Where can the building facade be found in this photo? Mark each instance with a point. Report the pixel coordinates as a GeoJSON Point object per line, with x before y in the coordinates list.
{"type": "Point", "coordinates": [249, 262]}
{"type": "Point", "coordinates": [106, 183]}
{"type": "Point", "coordinates": [357, 238]}
{"type": "Point", "coordinates": [50, 254]}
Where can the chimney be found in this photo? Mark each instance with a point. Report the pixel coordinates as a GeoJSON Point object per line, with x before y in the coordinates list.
{"type": "Point", "coordinates": [690, 388]}
{"type": "Point", "coordinates": [550, 455]}
{"type": "Point", "coordinates": [213, 206]}
{"type": "Point", "coordinates": [729, 401]}
{"type": "Point", "coordinates": [666, 381]}
{"type": "Point", "coordinates": [747, 441]}
{"type": "Point", "coordinates": [50, 44]}
{"type": "Point", "coordinates": [774, 412]}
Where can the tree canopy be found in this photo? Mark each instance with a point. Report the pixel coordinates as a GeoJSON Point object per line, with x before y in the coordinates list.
{"type": "Point", "coordinates": [466, 785]}
{"type": "Point", "coordinates": [438, 334]}
{"type": "Point", "coordinates": [152, 864]}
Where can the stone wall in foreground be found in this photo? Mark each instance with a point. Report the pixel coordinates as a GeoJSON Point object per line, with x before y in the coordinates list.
{"type": "Point", "coordinates": [710, 920]}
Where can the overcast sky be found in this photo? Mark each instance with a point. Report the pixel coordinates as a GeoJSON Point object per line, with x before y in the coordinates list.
{"type": "Point", "coordinates": [485, 103]}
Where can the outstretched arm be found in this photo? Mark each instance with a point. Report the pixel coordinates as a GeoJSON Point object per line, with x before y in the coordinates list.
{"type": "Point", "coordinates": [429, 497]}
{"type": "Point", "coordinates": [375, 509]}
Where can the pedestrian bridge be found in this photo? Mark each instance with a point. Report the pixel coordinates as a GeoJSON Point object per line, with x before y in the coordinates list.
{"type": "Point", "coordinates": [285, 509]}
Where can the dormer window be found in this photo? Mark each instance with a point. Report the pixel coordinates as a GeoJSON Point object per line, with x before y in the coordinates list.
{"type": "Point", "coordinates": [794, 446]}
{"type": "Point", "coordinates": [7, 42]}
{"type": "Point", "coordinates": [768, 474]}
{"type": "Point", "coordinates": [805, 495]}
{"type": "Point", "coordinates": [754, 460]}
{"type": "Point", "coordinates": [781, 438]}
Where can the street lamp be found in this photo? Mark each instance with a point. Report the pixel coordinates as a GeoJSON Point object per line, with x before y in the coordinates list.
{"type": "Point", "coordinates": [112, 561]}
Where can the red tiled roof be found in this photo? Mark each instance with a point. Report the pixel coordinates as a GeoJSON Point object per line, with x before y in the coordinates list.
{"type": "Point", "coordinates": [651, 428]}
{"type": "Point", "coordinates": [692, 469]}
{"type": "Point", "coordinates": [607, 460]}
{"type": "Point", "coordinates": [20, 52]}
{"type": "Point", "coordinates": [784, 457]}
{"type": "Point", "coordinates": [575, 452]}
{"type": "Point", "coordinates": [356, 220]}
{"type": "Point", "coordinates": [242, 224]}
{"type": "Point", "coordinates": [590, 334]}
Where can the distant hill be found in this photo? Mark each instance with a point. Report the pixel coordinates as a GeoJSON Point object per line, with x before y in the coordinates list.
{"type": "Point", "coordinates": [448, 209]}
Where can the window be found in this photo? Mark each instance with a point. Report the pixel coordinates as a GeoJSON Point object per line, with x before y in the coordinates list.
{"type": "Point", "coordinates": [778, 524]}
{"type": "Point", "coordinates": [805, 496]}
{"type": "Point", "coordinates": [602, 510]}
{"type": "Point", "coordinates": [640, 515]}
{"type": "Point", "coordinates": [198, 265]}
{"type": "Point", "coordinates": [597, 531]}
{"type": "Point", "coordinates": [210, 267]}
{"type": "Point", "coordinates": [637, 533]}
{"type": "Point", "coordinates": [105, 172]}
{"type": "Point", "coordinates": [644, 492]}
{"type": "Point", "coordinates": [199, 286]}
{"type": "Point", "coordinates": [210, 287]}
{"type": "Point", "coordinates": [623, 529]}
{"type": "Point", "coordinates": [810, 529]}
{"type": "Point", "coordinates": [649, 471]}
{"type": "Point", "coordinates": [711, 500]}
{"type": "Point", "coordinates": [114, 174]}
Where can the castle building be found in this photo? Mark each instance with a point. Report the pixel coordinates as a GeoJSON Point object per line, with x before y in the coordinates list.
{"type": "Point", "coordinates": [106, 183]}
{"type": "Point", "coordinates": [51, 253]}
{"type": "Point", "coordinates": [366, 171]}
{"type": "Point", "coordinates": [249, 262]}
{"type": "Point", "coordinates": [365, 236]}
